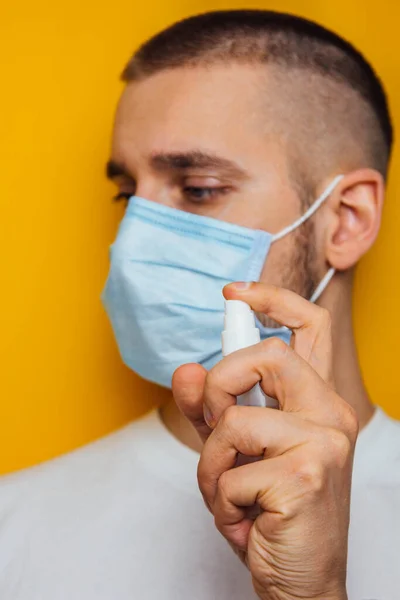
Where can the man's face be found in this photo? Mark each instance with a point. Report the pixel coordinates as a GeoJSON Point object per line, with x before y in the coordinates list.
{"type": "Point", "coordinates": [206, 141]}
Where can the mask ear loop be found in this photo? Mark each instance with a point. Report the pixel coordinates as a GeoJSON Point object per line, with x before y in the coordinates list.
{"type": "Point", "coordinates": [313, 208]}
{"type": "Point", "coordinates": [322, 285]}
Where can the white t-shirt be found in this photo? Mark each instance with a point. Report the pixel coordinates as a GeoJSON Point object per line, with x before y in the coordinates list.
{"type": "Point", "coordinates": [122, 519]}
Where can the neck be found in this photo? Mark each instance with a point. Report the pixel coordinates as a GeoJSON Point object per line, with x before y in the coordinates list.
{"type": "Point", "coordinates": [346, 368]}
{"type": "Point", "coordinates": [347, 375]}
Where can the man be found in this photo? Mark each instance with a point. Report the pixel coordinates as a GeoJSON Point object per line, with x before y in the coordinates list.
{"type": "Point", "coordinates": [251, 146]}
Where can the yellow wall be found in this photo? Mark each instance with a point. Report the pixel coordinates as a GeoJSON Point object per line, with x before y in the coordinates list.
{"type": "Point", "coordinates": [61, 381]}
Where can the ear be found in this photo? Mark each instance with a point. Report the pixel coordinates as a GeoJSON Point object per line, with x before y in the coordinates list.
{"type": "Point", "coordinates": [356, 208]}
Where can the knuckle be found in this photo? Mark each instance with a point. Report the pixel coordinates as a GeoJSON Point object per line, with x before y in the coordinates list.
{"type": "Point", "coordinates": [350, 422]}
{"type": "Point", "coordinates": [339, 447]}
{"type": "Point", "coordinates": [346, 418]}
{"type": "Point", "coordinates": [214, 377]}
{"type": "Point", "coordinates": [230, 417]}
{"type": "Point", "coordinates": [275, 347]}
{"type": "Point", "coordinates": [311, 475]}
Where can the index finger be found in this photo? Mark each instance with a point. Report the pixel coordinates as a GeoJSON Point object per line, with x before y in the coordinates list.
{"type": "Point", "coordinates": [281, 373]}
{"type": "Point", "coordinates": [311, 324]}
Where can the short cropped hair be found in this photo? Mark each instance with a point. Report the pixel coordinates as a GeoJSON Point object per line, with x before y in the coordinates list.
{"type": "Point", "coordinates": [353, 104]}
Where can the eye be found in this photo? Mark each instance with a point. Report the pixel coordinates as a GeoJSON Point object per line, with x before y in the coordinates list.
{"type": "Point", "coordinates": [201, 194]}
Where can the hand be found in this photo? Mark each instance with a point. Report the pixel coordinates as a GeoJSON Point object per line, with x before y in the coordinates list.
{"type": "Point", "coordinates": [297, 546]}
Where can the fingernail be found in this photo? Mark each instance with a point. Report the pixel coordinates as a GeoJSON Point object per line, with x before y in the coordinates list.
{"type": "Point", "coordinates": [208, 417]}
{"type": "Point", "coordinates": [242, 285]}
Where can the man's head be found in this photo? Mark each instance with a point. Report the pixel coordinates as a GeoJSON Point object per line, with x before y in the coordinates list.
{"type": "Point", "coordinates": [246, 116]}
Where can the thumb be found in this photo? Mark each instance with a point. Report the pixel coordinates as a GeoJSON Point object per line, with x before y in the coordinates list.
{"type": "Point", "coordinates": [187, 388]}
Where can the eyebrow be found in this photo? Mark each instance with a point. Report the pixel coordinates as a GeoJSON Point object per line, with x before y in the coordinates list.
{"type": "Point", "coordinates": [196, 159]}
{"type": "Point", "coordinates": [182, 161]}
{"type": "Point", "coordinates": [115, 169]}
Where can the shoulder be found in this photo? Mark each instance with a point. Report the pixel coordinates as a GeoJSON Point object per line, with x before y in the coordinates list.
{"type": "Point", "coordinates": [377, 456]}
{"type": "Point", "coordinates": [94, 463]}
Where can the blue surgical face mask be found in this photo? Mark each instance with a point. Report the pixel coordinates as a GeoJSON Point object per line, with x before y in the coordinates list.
{"type": "Point", "coordinates": [164, 290]}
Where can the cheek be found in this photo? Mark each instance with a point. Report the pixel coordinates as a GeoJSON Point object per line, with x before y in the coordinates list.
{"type": "Point", "coordinates": [288, 266]}
{"type": "Point", "coordinates": [237, 209]}
{"type": "Point", "coordinates": [280, 264]}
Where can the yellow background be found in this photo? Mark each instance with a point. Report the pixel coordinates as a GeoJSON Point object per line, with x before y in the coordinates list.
{"type": "Point", "coordinates": [61, 381]}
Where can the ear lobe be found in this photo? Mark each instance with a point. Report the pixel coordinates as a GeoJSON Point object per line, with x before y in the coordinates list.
{"type": "Point", "coordinates": [357, 207]}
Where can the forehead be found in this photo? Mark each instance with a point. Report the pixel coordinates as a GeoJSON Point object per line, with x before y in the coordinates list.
{"type": "Point", "coordinates": [223, 104]}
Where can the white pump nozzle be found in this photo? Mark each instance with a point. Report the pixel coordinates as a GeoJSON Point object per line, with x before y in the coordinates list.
{"type": "Point", "coordinates": [240, 329]}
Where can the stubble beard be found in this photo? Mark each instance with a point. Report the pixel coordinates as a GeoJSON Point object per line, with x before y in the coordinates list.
{"type": "Point", "coordinates": [299, 271]}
